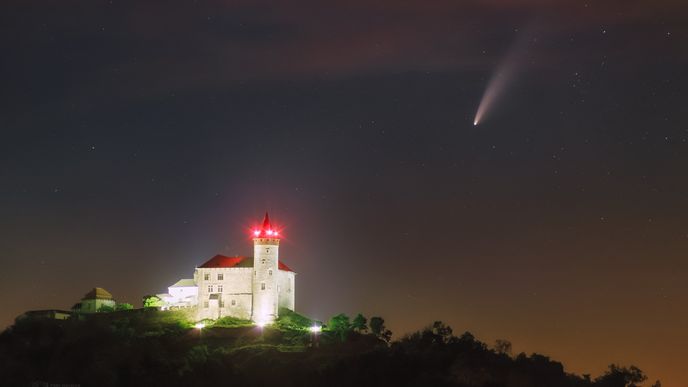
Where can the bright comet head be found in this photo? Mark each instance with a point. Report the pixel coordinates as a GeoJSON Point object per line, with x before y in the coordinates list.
{"type": "Point", "coordinates": [503, 76]}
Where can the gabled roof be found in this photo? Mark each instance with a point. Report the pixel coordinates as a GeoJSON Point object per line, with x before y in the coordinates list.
{"type": "Point", "coordinates": [98, 294]}
{"type": "Point", "coordinates": [184, 283]}
{"type": "Point", "coordinates": [221, 261]}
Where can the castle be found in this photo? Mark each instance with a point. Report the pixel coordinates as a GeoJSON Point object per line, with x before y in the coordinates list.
{"type": "Point", "coordinates": [251, 288]}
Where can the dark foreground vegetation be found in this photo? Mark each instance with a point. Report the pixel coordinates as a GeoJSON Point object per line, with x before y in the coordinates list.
{"type": "Point", "coordinates": [152, 348]}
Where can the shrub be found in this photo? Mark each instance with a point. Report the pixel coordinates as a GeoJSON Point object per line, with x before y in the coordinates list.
{"type": "Point", "coordinates": [124, 306]}
{"type": "Point", "coordinates": [290, 320]}
{"type": "Point", "coordinates": [105, 309]}
{"type": "Point", "coordinates": [152, 301]}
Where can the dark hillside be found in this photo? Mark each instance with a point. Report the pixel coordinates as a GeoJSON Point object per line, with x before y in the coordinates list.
{"type": "Point", "coordinates": [151, 348]}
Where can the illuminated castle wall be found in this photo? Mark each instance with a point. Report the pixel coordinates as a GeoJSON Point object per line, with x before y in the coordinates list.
{"type": "Point", "coordinates": [245, 287]}
{"type": "Point", "coordinates": [265, 288]}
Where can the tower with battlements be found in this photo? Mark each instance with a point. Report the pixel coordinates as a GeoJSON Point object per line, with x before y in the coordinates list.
{"type": "Point", "coordinates": [243, 287]}
{"type": "Point", "coordinates": [265, 264]}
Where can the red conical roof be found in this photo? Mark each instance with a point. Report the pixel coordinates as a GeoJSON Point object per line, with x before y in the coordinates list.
{"type": "Point", "coordinates": [266, 222]}
{"type": "Point", "coordinates": [266, 230]}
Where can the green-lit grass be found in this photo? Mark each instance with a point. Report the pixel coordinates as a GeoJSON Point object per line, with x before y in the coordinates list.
{"type": "Point", "coordinates": [231, 322]}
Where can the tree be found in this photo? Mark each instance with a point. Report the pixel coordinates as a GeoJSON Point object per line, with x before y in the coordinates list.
{"type": "Point", "coordinates": [377, 326]}
{"type": "Point", "coordinates": [152, 301]}
{"type": "Point", "coordinates": [360, 323]}
{"type": "Point", "coordinates": [467, 337]}
{"type": "Point", "coordinates": [340, 322]}
{"type": "Point", "coordinates": [340, 325]}
{"type": "Point", "coordinates": [503, 347]}
{"type": "Point", "coordinates": [618, 376]}
{"type": "Point", "coordinates": [124, 306]}
{"type": "Point", "coordinates": [442, 332]}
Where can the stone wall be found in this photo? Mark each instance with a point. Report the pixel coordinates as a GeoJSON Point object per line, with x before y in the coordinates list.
{"type": "Point", "coordinates": [92, 306]}
{"type": "Point", "coordinates": [233, 292]}
{"type": "Point", "coordinates": [287, 291]}
{"type": "Point", "coordinates": [265, 266]}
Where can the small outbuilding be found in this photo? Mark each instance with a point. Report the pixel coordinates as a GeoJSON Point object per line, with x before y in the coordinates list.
{"type": "Point", "coordinates": [48, 314]}
{"type": "Point", "coordinates": [94, 300]}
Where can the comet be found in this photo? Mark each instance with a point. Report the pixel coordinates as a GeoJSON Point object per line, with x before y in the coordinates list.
{"type": "Point", "coordinates": [505, 74]}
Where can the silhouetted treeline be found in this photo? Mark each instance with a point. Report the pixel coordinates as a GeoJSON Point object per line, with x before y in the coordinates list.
{"type": "Point", "coordinates": [150, 349]}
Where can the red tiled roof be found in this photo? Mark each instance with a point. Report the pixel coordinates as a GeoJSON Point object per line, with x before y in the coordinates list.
{"type": "Point", "coordinates": [282, 266]}
{"type": "Point", "coordinates": [221, 261]}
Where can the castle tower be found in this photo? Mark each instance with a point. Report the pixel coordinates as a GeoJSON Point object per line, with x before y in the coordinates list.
{"type": "Point", "coordinates": [265, 265]}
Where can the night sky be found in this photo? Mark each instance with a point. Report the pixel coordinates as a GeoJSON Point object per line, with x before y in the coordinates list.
{"type": "Point", "coordinates": [140, 138]}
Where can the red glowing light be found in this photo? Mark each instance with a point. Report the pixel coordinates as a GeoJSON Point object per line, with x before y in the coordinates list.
{"type": "Point", "coordinates": [265, 230]}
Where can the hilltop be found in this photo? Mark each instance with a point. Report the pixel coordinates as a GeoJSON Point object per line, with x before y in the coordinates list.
{"type": "Point", "coordinates": [147, 347]}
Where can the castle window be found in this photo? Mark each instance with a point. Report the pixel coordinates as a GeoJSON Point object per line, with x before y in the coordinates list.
{"type": "Point", "coordinates": [205, 304]}
{"type": "Point", "coordinates": [206, 276]}
{"type": "Point", "coordinates": [219, 288]}
{"type": "Point", "coordinates": [222, 304]}
{"type": "Point", "coordinates": [262, 261]}
{"type": "Point", "coordinates": [233, 302]}
{"type": "Point", "coordinates": [210, 288]}
{"type": "Point", "coordinates": [262, 286]}
{"type": "Point", "coordinates": [220, 277]}
{"type": "Point", "coordinates": [270, 272]}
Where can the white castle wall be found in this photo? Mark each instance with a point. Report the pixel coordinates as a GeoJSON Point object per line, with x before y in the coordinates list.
{"type": "Point", "coordinates": [234, 299]}
{"type": "Point", "coordinates": [182, 294]}
{"type": "Point", "coordinates": [287, 291]}
{"type": "Point", "coordinates": [265, 293]}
